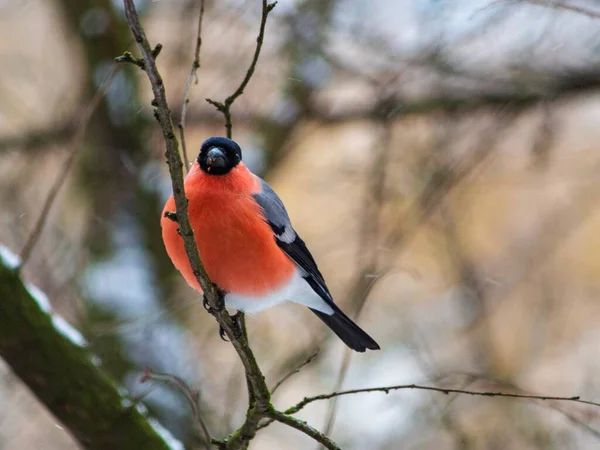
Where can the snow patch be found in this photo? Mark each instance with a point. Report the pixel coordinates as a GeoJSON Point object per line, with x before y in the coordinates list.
{"type": "Point", "coordinates": [40, 298]}
{"type": "Point", "coordinates": [169, 439]}
{"type": "Point", "coordinates": [9, 259]}
{"type": "Point", "coordinates": [59, 323]}
{"type": "Point", "coordinates": [68, 331]}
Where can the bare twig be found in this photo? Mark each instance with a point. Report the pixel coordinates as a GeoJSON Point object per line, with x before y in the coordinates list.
{"type": "Point", "coordinates": [62, 176]}
{"type": "Point", "coordinates": [306, 362]}
{"type": "Point", "coordinates": [188, 87]}
{"type": "Point", "coordinates": [565, 7]}
{"type": "Point", "coordinates": [127, 57]}
{"type": "Point", "coordinates": [259, 397]}
{"type": "Point", "coordinates": [225, 107]}
{"type": "Point", "coordinates": [304, 428]}
{"type": "Point", "coordinates": [191, 395]}
{"type": "Point", "coordinates": [163, 115]}
{"type": "Point", "coordinates": [386, 390]}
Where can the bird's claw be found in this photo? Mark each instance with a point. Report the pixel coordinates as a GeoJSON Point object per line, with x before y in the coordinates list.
{"type": "Point", "coordinates": [222, 334]}
{"type": "Point", "coordinates": [220, 302]}
{"type": "Point", "coordinates": [237, 327]}
{"type": "Point", "coordinates": [206, 304]}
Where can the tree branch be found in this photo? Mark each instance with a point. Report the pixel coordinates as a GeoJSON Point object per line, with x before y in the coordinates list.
{"type": "Point", "coordinates": [60, 372]}
{"type": "Point", "coordinates": [260, 405]}
{"type": "Point", "coordinates": [306, 362]}
{"type": "Point", "coordinates": [386, 390]}
{"type": "Point", "coordinates": [304, 428]}
{"type": "Point", "coordinates": [163, 116]}
{"type": "Point", "coordinates": [225, 107]}
{"type": "Point", "coordinates": [188, 87]}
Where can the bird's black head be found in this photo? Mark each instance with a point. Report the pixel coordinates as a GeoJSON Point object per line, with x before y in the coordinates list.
{"type": "Point", "coordinates": [218, 155]}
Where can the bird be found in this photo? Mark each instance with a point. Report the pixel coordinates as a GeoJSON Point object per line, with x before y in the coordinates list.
{"type": "Point", "coordinates": [247, 243]}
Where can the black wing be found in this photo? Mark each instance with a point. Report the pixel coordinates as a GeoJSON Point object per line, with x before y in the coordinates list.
{"type": "Point", "coordinates": [288, 240]}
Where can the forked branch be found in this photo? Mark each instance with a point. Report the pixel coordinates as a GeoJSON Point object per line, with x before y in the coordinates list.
{"type": "Point", "coordinates": [225, 107]}
{"type": "Point", "coordinates": [259, 406]}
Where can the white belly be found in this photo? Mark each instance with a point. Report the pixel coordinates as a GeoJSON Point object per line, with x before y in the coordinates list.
{"type": "Point", "coordinates": [297, 290]}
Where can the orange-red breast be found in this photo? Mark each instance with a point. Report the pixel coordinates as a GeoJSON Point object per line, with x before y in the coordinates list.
{"type": "Point", "coordinates": [247, 243]}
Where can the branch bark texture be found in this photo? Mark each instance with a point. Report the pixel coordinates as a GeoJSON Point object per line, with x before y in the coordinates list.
{"type": "Point", "coordinates": [61, 374]}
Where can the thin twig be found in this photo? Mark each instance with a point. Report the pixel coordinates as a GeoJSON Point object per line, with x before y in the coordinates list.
{"type": "Point", "coordinates": [306, 362]}
{"type": "Point", "coordinates": [62, 175]}
{"type": "Point", "coordinates": [188, 87]}
{"type": "Point", "coordinates": [225, 107]}
{"type": "Point", "coordinates": [305, 428]}
{"type": "Point", "coordinates": [386, 389]}
{"type": "Point", "coordinates": [191, 395]}
{"type": "Point", "coordinates": [564, 6]}
{"type": "Point", "coordinates": [163, 116]}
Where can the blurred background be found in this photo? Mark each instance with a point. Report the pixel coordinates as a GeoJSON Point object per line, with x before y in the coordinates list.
{"type": "Point", "coordinates": [439, 157]}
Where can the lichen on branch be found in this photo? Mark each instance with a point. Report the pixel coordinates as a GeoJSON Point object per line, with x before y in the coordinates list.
{"type": "Point", "coordinates": [55, 365]}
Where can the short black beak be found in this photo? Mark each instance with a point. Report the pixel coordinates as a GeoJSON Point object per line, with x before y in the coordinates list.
{"type": "Point", "coordinates": [216, 158]}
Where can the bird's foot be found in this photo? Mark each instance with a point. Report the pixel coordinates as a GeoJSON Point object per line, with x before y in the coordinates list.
{"type": "Point", "coordinates": [220, 302]}
{"type": "Point", "coordinates": [237, 327]}
{"type": "Point", "coordinates": [236, 318]}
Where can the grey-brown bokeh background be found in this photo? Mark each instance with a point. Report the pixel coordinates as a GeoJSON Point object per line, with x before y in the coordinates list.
{"type": "Point", "coordinates": [438, 157]}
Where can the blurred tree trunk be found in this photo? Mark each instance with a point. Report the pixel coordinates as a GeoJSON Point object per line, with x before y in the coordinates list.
{"type": "Point", "coordinates": [115, 173]}
{"type": "Point", "coordinates": [61, 374]}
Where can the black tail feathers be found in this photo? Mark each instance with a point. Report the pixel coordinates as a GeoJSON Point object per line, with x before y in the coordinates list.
{"type": "Point", "coordinates": [352, 335]}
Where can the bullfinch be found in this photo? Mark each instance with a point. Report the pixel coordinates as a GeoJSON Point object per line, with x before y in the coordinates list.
{"type": "Point", "coordinates": [247, 243]}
